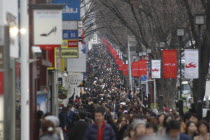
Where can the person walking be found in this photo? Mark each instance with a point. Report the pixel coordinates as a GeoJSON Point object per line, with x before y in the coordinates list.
{"type": "Point", "coordinates": [77, 132]}
{"type": "Point", "coordinates": [100, 130]}
{"type": "Point", "coordinates": [48, 131]}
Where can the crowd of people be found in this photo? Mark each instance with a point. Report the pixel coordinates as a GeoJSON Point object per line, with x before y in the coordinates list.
{"type": "Point", "coordinates": [109, 111]}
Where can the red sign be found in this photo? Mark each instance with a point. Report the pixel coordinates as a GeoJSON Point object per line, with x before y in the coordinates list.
{"type": "Point", "coordinates": [73, 43]}
{"type": "Point", "coordinates": [125, 69]}
{"type": "Point", "coordinates": [48, 47]}
{"type": "Point", "coordinates": [135, 69]}
{"type": "Point", "coordinates": [1, 83]}
{"type": "Point", "coordinates": [142, 67]}
{"type": "Point", "coordinates": [169, 59]}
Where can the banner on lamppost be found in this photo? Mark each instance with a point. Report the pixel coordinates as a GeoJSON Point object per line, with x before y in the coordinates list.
{"type": "Point", "coordinates": [191, 64]}
{"type": "Point", "coordinates": [142, 67]}
{"type": "Point", "coordinates": [169, 59]}
{"type": "Point", "coordinates": [156, 69]}
{"type": "Point", "coordinates": [125, 69]}
{"type": "Point", "coordinates": [135, 69]}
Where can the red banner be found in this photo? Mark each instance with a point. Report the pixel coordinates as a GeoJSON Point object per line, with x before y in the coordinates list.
{"type": "Point", "coordinates": [169, 59]}
{"type": "Point", "coordinates": [120, 66]}
{"type": "Point", "coordinates": [125, 69]}
{"type": "Point", "coordinates": [1, 83]}
{"type": "Point", "coordinates": [142, 67]}
{"type": "Point", "coordinates": [135, 69]}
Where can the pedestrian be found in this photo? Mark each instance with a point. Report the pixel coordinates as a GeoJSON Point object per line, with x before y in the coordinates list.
{"type": "Point", "coordinates": [139, 128]}
{"type": "Point", "coordinates": [173, 131]}
{"type": "Point", "coordinates": [203, 129]}
{"type": "Point", "coordinates": [77, 132]}
{"type": "Point", "coordinates": [48, 131]}
{"type": "Point", "coordinates": [191, 129]}
{"type": "Point", "coordinates": [100, 130]}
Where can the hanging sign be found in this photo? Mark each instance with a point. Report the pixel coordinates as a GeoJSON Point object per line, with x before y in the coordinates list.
{"type": "Point", "coordinates": [1, 83]}
{"type": "Point", "coordinates": [169, 58]}
{"type": "Point", "coordinates": [135, 69]}
{"type": "Point", "coordinates": [125, 69]}
{"type": "Point", "coordinates": [191, 64]}
{"type": "Point", "coordinates": [142, 67]}
{"type": "Point", "coordinates": [71, 9]}
{"type": "Point", "coordinates": [50, 32]}
{"type": "Point", "coordinates": [156, 69]}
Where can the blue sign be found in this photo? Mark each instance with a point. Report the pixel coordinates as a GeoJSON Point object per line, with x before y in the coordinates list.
{"type": "Point", "coordinates": [70, 34]}
{"type": "Point", "coordinates": [71, 9]}
{"type": "Point", "coordinates": [143, 78]}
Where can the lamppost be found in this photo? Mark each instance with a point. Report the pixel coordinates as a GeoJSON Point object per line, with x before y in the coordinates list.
{"type": "Point", "coordinates": [180, 34]}
{"type": "Point", "coordinates": [199, 21]}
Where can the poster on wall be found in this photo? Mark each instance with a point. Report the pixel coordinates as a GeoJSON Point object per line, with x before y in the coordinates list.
{"type": "Point", "coordinates": [41, 101]}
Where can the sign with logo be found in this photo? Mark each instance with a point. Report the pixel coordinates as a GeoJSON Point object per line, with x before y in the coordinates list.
{"type": "Point", "coordinates": [191, 64]}
{"type": "Point", "coordinates": [169, 58]}
{"type": "Point", "coordinates": [70, 25]}
{"type": "Point", "coordinates": [73, 43]}
{"type": "Point", "coordinates": [50, 31]}
{"type": "Point", "coordinates": [70, 34]}
{"type": "Point", "coordinates": [71, 9]}
{"type": "Point", "coordinates": [69, 52]}
{"type": "Point", "coordinates": [156, 69]}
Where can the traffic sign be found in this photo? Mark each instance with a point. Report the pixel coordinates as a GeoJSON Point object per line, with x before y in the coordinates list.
{"type": "Point", "coordinates": [70, 34]}
{"type": "Point", "coordinates": [143, 78]}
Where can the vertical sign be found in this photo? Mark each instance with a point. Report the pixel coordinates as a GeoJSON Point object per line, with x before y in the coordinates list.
{"type": "Point", "coordinates": [135, 69]}
{"type": "Point", "coordinates": [50, 31]}
{"type": "Point", "coordinates": [125, 69]}
{"type": "Point", "coordinates": [191, 64]}
{"type": "Point", "coordinates": [169, 58]}
{"type": "Point", "coordinates": [156, 69]}
{"type": "Point", "coordinates": [142, 67]}
{"type": "Point", "coordinates": [1, 83]}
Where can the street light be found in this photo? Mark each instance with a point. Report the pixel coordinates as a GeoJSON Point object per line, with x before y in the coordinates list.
{"type": "Point", "coordinates": [180, 33]}
{"type": "Point", "coordinates": [200, 19]}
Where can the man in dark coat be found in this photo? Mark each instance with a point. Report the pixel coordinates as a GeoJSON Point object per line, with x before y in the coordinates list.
{"type": "Point", "coordinates": [100, 130]}
{"type": "Point", "coordinates": [77, 132]}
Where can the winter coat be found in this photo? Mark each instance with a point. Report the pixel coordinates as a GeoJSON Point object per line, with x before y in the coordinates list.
{"type": "Point", "coordinates": [49, 137]}
{"type": "Point", "coordinates": [92, 133]}
{"type": "Point", "coordinates": [77, 132]}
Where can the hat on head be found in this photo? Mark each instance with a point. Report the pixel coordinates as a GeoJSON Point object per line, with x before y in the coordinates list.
{"type": "Point", "coordinates": [137, 122]}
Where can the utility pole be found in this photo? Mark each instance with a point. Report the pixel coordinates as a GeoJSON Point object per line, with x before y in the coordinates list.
{"type": "Point", "coordinates": [24, 42]}
{"type": "Point", "coordinates": [129, 68]}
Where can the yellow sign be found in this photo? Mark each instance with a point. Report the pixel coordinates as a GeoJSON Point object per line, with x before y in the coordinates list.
{"type": "Point", "coordinates": [69, 53]}
{"type": "Point", "coordinates": [57, 60]}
